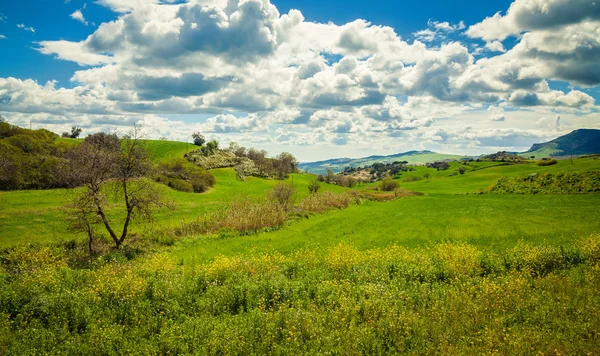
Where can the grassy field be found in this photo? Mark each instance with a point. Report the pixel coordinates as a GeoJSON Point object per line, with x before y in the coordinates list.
{"type": "Point", "coordinates": [452, 271]}
{"type": "Point", "coordinates": [37, 215]}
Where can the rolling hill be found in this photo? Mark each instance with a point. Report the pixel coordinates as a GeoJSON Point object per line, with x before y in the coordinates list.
{"type": "Point", "coordinates": [412, 157]}
{"type": "Point", "coordinates": [578, 142]}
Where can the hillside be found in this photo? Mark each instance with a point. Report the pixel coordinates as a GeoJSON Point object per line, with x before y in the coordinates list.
{"type": "Point", "coordinates": [578, 142]}
{"type": "Point", "coordinates": [338, 164]}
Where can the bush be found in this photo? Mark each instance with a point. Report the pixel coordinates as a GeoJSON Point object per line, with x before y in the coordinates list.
{"type": "Point", "coordinates": [412, 179]}
{"type": "Point", "coordinates": [181, 185]}
{"type": "Point", "coordinates": [388, 185]}
{"type": "Point", "coordinates": [547, 163]}
{"type": "Point", "coordinates": [321, 202]}
{"type": "Point", "coordinates": [182, 175]}
{"type": "Point", "coordinates": [283, 194]}
{"type": "Point", "coordinates": [314, 186]}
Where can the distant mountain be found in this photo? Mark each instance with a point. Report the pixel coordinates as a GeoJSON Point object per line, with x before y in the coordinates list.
{"type": "Point", "coordinates": [412, 157]}
{"type": "Point", "coordinates": [578, 142]}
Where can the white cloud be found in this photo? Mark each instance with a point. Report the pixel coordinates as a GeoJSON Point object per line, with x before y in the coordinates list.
{"type": "Point", "coordinates": [438, 30]}
{"type": "Point", "coordinates": [260, 76]}
{"type": "Point", "coordinates": [26, 28]}
{"type": "Point", "coordinates": [496, 113]}
{"type": "Point", "coordinates": [529, 15]}
{"type": "Point", "coordinates": [495, 46]}
{"type": "Point", "coordinates": [78, 16]}
{"type": "Point", "coordinates": [2, 37]}
{"type": "Point", "coordinates": [73, 51]}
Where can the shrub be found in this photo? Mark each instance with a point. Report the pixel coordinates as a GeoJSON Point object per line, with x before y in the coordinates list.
{"type": "Point", "coordinates": [182, 175]}
{"type": "Point", "coordinates": [412, 179]}
{"type": "Point", "coordinates": [388, 185]}
{"type": "Point", "coordinates": [314, 186]}
{"type": "Point", "coordinates": [321, 202]}
{"type": "Point", "coordinates": [462, 170]}
{"type": "Point", "coordinates": [203, 182]}
{"type": "Point", "coordinates": [547, 163]}
{"type": "Point", "coordinates": [181, 185]}
{"type": "Point", "coordinates": [283, 194]}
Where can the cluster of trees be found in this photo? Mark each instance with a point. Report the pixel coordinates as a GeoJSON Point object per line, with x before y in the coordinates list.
{"type": "Point", "coordinates": [278, 167]}
{"type": "Point", "coordinates": [344, 180]}
{"type": "Point", "coordinates": [378, 171]}
{"type": "Point", "coordinates": [206, 148]}
{"type": "Point", "coordinates": [75, 132]}
{"type": "Point", "coordinates": [501, 156]}
{"type": "Point", "coordinates": [246, 161]}
{"type": "Point", "coordinates": [440, 166]}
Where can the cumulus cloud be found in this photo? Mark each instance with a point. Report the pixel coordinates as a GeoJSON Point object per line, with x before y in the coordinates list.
{"type": "Point", "coordinates": [528, 15]}
{"type": "Point", "coordinates": [496, 113]}
{"type": "Point", "coordinates": [258, 74]}
{"type": "Point", "coordinates": [495, 46]}
{"type": "Point", "coordinates": [437, 30]}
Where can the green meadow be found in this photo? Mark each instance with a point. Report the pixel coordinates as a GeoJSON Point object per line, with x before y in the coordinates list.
{"type": "Point", "coordinates": [454, 270]}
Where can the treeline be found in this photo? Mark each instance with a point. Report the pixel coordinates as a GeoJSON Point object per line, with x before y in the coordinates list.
{"type": "Point", "coordinates": [37, 159]}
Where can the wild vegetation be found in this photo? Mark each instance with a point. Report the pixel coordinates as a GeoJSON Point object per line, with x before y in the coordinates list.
{"type": "Point", "coordinates": [451, 298]}
{"type": "Point", "coordinates": [411, 262]}
{"type": "Point", "coordinates": [547, 183]}
{"type": "Point", "coordinates": [246, 161]}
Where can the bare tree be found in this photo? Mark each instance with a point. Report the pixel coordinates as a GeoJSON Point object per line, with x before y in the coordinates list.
{"type": "Point", "coordinates": [103, 164]}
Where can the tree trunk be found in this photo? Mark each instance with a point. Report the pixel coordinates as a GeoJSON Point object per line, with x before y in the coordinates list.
{"type": "Point", "coordinates": [108, 227]}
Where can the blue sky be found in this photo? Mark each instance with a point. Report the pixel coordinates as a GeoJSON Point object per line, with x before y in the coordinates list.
{"type": "Point", "coordinates": [309, 77]}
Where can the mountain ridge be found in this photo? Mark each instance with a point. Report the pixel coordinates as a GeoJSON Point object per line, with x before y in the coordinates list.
{"type": "Point", "coordinates": [577, 142]}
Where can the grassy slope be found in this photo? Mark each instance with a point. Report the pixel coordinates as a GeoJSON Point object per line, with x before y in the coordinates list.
{"type": "Point", "coordinates": [493, 221]}
{"type": "Point", "coordinates": [36, 216]}
{"type": "Point", "coordinates": [544, 152]}
{"type": "Point", "coordinates": [161, 150]}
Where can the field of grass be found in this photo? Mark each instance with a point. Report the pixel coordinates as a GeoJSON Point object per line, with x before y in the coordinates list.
{"type": "Point", "coordinates": [37, 215]}
{"type": "Point", "coordinates": [452, 271]}
{"type": "Point", "coordinates": [486, 175]}
{"type": "Point", "coordinates": [161, 150]}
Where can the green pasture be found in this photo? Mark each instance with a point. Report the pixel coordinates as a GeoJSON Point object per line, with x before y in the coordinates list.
{"type": "Point", "coordinates": [37, 216]}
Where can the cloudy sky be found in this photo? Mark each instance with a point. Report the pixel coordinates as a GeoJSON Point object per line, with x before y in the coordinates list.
{"type": "Point", "coordinates": [320, 79]}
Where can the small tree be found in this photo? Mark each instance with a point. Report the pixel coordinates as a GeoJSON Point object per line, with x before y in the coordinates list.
{"type": "Point", "coordinates": [103, 164]}
{"type": "Point", "coordinates": [314, 186]}
{"type": "Point", "coordinates": [199, 140]}
{"type": "Point", "coordinates": [462, 170]}
{"type": "Point", "coordinates": [75, 132]}
{"type": "Point", "coordinates": [329, 175]}
{"type": "Point", "coordinates": [426, 176]}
